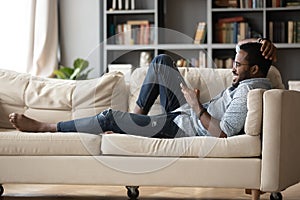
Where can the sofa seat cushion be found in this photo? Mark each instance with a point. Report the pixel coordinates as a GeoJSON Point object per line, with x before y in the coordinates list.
{"type": "Point", "coordinates": [20, 143]}
{"type": "Point", "coordinates": [129, 145]}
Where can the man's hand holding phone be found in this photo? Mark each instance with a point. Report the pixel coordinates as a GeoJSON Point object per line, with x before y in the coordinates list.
{"type": "Point", "coordinates": [192, 97]}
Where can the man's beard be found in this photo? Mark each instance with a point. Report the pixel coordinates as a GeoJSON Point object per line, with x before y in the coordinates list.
{"type": "Point", "coordinates": [243, 76]}
{"type": "Point", "coordinates": [236, 84]}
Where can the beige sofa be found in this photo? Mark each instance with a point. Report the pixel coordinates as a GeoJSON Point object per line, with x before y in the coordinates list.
{"type": "Point", "coordinates": [267, 162]}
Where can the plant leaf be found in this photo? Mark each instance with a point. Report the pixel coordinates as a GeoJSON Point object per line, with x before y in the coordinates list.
{"type": "Point", "coordinates": [75, 74]}
{"type": "Point", "coordinates": [63, 72]}
{"type": "Point", "coordinates": [60, 74]}
{"type": "Point", "coordinates": [67, 71]}
{"type": "Point", "coordinates": [81, 63]}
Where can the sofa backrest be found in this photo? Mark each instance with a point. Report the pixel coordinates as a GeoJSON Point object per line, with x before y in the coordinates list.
{"type": "Point", "coordinates": [52, 100]}
{"type": "Point", "coordinates": [209, 81]}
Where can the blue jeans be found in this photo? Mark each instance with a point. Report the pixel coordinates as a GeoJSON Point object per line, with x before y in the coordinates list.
{"type": "Point", "coordinates": [162, 79]}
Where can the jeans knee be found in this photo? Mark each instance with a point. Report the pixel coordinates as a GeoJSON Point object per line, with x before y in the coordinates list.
{"type": "Point", "coordinates": [162, 60]}
{"type": "Point", "coordinates": [104, 117]}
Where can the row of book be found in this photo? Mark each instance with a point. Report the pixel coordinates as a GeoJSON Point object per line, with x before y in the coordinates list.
{"type": "Point", "coordinates": [232, 30]}
{"type": "Point", "coordinates": [255, 3]}
{"type": "Point", "coordinates": [199, 62]}
{"type": "Point", "coordinates": [223, 62]}
{"type": "Point", "coordinates": [121, 5]}
{"type": "Point", "coordinates": [284, 32]}
{"type": "Point", "coordinates": [250, 4]}
{"type": "Point", "coordinates": [133, 32]}
{"type": "Point", "coordinates": [283, 3]}
{"type": "Point", "coordinates": [239, 3]}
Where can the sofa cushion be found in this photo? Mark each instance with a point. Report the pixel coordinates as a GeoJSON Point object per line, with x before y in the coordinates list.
{"type": "Point", "coordinates": [253, 123]}
{"type": "Point", "coordinates": [52, 100]}
{"type": "Point", "coordinates": [275, 78]}
{"type": "Point", "coordinates": [129, 145]}
{"type": "Point", "coordinates": [19, 143]}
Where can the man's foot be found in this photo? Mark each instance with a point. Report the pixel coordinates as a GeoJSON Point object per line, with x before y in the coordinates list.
{"type": "Point", "coordinates": [26, 124]}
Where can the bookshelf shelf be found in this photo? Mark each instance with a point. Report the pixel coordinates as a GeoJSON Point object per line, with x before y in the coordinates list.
{"type": "Point", "coordinates": [237, 9]}
{"type": "Point", "coordinates": [160, 47]}
{"type": "Point", "coordinates": [223, 46]}
{"type": "Point", "coordinates": [283, 8]}
{"type": "Point", "coordinates": [130, 12]}
{"type": "Point", "coordinates": [130, 47]}
{"type": "Point", "coordinates": [287, 45]}
{"type": "Point", "coordinates": [183, 46]}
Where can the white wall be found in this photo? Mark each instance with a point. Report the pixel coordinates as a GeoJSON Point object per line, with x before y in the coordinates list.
{"type": "Point", "coordinates": [80, 33]}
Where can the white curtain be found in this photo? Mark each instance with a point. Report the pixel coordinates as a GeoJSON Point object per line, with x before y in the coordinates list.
{"type": "Point", "coordinates": [29, 36]}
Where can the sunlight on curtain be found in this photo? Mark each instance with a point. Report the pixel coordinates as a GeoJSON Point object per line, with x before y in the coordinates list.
{"type": "Point", "coordinates": [29, 36]}
{"type": "Point", "coordinates": [14, 35]}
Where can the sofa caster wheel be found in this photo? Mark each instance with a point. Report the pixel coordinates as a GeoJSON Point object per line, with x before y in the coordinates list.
{"type": "Point", "coordinates": [276, 196]}
{"type": "Point", "coordinates": [1, 190]}
{"type": "Point", "coordinates": [132, 192]}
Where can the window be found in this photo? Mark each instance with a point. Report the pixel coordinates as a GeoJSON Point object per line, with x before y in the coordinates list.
{"type": "Point", "coordinates": [15, 26]}
{"type": "Point", "coordinates": [29, 36]}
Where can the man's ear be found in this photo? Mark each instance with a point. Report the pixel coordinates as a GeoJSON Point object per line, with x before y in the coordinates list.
{"type": "Point", "coordinates": [254, 69]}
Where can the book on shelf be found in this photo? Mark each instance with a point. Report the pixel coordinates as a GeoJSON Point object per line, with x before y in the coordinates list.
{"type": "Point", "coordinates": [200, 33]}
{"type": "Point", "coordinates": [126, 6]}
{"type": "Point", "coordinates": [297, 39]}
{"type": "Point", "coordinates": [250, 3]}
{"type": "Point", "coordinates": [202, 60]}
{"type": "Point", "coordinates": [271, 35]}
{"type": "Point", "coordinates": [232, 29]}
{"type": "Point", "coordinates": [134, 32]}
{"type": "Point", "coordinates": [290, 32]}
{"type": "Point", "coordinates": [238, 3]}
{"type": "Point", "coordinates": [291, 3]}
{"type": "Point", "coordinates": [223, 62]}
{"type": "Point", "coordinates": [278, 3]}
{"type": "Point", "coordinates": [284, 32]}
{"type": "Point", "coordinates": [132, 4]}
{"type": "Point", "coordinates": [284, 3]}
{"type": "Point", "coordinates": [114, 5]}
{"type": "Point", "coordinates": [199, 62]}
{"type": "Point", "coordinates": [119, 4]}
{"type": "Point", "coordinates": [140, 31]}
{"type": "Point", "coordinates": [226, 3]}
{"type": "Point", "coordinates": [231, 19]}
{"type": "Point", "coordinates": [129, 4]}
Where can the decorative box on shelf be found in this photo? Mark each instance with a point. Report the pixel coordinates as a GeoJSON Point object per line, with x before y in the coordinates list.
{"type": "Point", "coordinates": [294, 85]}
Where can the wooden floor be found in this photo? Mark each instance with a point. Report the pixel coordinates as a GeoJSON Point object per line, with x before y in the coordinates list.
{"type": "Point", "coordinates": [67, 192]}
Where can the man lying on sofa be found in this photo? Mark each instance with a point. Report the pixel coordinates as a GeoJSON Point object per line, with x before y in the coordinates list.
{"type": "Point", "coordinates": [184, 115]}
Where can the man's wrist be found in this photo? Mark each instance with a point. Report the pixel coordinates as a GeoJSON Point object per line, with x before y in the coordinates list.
{"type": "Point", "coordinates": [260, 40]}
{"type": "Point", "coordinates": [202, 111]}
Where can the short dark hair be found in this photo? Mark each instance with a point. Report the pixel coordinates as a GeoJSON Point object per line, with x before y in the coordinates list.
{"type": "Point", "coordinates": [255, 56]}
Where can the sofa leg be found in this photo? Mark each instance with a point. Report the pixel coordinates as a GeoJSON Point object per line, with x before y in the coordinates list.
{"type": "Point", "coordinates": [255, 194]}
{"type": "Point", "coordinates": [132, 192]}
{"type": "Point", "coordinates": [1, 189]}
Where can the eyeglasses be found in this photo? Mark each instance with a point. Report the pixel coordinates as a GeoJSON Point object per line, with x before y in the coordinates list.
{"type": "Point", "coordinates": [237, 64]}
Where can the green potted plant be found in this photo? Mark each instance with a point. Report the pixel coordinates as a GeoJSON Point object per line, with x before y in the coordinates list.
{"type": "Point", "coordinates": [77, 72]}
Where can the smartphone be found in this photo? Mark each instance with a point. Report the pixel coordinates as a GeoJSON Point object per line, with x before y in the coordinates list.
{"type": "Point", "coordinates": [181, 80]}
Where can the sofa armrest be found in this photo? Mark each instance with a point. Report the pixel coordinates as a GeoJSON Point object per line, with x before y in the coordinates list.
{"type": "Point", "coordinates": [280, 143]}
